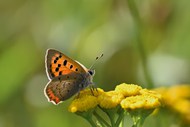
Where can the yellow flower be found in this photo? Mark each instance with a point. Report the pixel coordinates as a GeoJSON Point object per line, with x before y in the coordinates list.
{"type": "Point", "coordinates": [140, 102]}
{"type": "Point", "coordinates": [110, 99]}
{"type": "Point", "coordinates": [151, 93]}
{"type": "Point", "coordinates": [182, 106]}
{"type": "Point", "coordinates": [177, 92]}
{"type": "Point", "coordinates": [128, 89]}
{"type": "Point", "coordinates": [83, 104]}
{"type": "Point", "coordinates": [177, 98]}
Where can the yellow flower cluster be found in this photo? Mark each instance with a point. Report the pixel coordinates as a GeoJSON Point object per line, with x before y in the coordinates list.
{"type": "Point", "coordinates": [128, 89]}
{"type": "Point", "coordinates": [129, 96]}
{"type": "Point", "coordinates": [83, 104]}
{"type": "Point", "coordinates": [85, 100]}
{"type": "Point", "coordinates": [146, 99]}
{"type": "Point", "coordinates": [110, 99]}
{"type": "Point", "coordinates": [177, 98]}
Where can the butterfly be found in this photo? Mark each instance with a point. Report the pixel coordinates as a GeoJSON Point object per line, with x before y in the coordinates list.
{"type": "Point", "coordinates": [67, 77]}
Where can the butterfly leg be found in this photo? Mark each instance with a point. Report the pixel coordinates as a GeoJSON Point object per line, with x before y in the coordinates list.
{"type": "Point", "coordinates": [92, 88]}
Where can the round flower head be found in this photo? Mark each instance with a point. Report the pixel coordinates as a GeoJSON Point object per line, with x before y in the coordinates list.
{"type": "Point", "coordinates": [140, 102]}
{"type": "Point", "coordinates": [83, 104]}
{"type": "Point", "coordinates": [87, 99]}
{"type": "Point", "coordinates": [177, 92]}
{"type": "Point", "coordinates": [182, 106]}
{"type": "Point", "coordinates": [151, 93]}
{"type": "Point", "coordinates": [110, 99]}
{"type": "Point", "coordinates": [128, 89]}
{"type": "Point", "coordinates": [177, 98]}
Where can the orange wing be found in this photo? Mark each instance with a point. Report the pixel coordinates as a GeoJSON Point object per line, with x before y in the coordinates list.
{"type": "Point", "coordinates": [59, 64]}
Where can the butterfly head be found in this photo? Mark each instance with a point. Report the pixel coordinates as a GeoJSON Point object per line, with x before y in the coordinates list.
{"type": "Point", "coordinates": [91, 72]}
{"type": "Point", "coordinates": [89, 77]}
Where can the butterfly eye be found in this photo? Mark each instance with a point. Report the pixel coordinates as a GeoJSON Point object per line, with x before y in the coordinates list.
{"type": "Point", "coordinates": [91, 72]}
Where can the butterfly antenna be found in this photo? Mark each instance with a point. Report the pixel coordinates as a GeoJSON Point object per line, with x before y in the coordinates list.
{"type": "Point", "coordinates": [97, 58]}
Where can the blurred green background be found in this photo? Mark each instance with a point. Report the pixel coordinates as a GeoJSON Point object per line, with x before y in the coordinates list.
{"type": "Point", "coordinates": [84, 29]}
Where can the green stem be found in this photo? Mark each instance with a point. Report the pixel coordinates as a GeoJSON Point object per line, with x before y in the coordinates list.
{"type": "Point", "coordinates": [139, 116]}
{"type": "Point", "coordinates": [120, 118]}
{"type": "Point", "coordinates": [139, 41]}
{"type": "Point", "coordinates": [138, 121]}
{"type": "Point", "coordinates": [101, 120]}
{"type": "Point", "coordinates": [123, 122]}
{"type": "Point", "coordinates": [111, 118]}
{"type": "Point", "coordinates": [88, 117]}
{"type": "Point", "coordinates": [93, 124]}
{"type": "Point", "coordinates": [110, 114]}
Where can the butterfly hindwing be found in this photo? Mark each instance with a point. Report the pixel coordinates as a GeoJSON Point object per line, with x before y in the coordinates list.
{"type": "Point", "coordinates": [63, 87]}
{"type": "Point", "coordinates": [58, 64]}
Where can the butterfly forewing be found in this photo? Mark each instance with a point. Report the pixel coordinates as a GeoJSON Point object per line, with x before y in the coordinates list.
{"type": "Point", "coordinates": [59, 64]}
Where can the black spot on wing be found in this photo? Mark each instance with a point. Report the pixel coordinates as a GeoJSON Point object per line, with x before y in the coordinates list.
{"type": "Point", "coordinates": [57, 58]}
{"type": "Point", "coordinates": [65, 62]}
{"type": "Point", "coordinates": [57, 69]}
{"type": "Point", "coordinates": [60, 73]}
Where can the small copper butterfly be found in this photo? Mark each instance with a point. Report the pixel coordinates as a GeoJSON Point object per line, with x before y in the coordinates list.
{"type": "Point", "coordinates": [67, 77]}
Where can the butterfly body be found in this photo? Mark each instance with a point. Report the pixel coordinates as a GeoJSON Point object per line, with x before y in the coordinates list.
{"type": "Point", "coordinates": [67, 77]}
